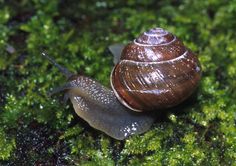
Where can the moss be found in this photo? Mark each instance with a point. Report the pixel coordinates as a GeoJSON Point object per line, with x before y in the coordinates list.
{"type": "Point", "coordinates": [6, 146]}
{"type": "Point", "coordinates": [200, 131]}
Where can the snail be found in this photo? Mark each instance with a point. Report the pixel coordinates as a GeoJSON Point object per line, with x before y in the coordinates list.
{"type": "Point", "coordinates": [154, 72]}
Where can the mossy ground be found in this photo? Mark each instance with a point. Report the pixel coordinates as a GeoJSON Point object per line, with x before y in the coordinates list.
{"type": "Point", "coordinates": [36, 129]}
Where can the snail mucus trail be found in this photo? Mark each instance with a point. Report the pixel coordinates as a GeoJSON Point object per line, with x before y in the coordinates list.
{"type": "Point", "coordinates": [155, 71]}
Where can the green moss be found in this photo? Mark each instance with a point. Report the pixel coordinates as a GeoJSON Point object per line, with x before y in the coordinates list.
{"type": "Point", "coordinates": [199, 132]}
{"type": "Point", "coordinates": [6, 146]}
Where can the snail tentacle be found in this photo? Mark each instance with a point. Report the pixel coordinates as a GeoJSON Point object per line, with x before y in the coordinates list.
{"type": "Point", "coordinates": [62, 69]}
{"type": "Point", "coordinates": [66, 86]}
{"type": "Point", "coordinates": [116, 50]}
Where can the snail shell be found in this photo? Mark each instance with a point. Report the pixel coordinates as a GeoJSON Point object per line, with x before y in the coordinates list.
{"type": "Point", "coordinates": [155, 71]}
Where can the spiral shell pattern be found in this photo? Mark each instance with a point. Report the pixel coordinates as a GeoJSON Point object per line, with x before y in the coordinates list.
{"type": "Point", "coordinates": [156, 71]}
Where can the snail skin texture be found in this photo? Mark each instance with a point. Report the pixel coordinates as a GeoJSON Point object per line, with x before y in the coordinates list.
{"type": "Point", "coordinates": [154, 72]}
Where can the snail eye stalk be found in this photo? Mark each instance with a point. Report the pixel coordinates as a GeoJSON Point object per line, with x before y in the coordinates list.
{"type": "Point", "coordinates": [62, 69]}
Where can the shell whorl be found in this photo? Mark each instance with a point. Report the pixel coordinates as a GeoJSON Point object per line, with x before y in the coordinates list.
{"type": "Point", "coordinates": [153, 46]}
{"type": "Point", "coordinates": [155, 71]}
{"type": "Point", "coordinates": [155, 36]}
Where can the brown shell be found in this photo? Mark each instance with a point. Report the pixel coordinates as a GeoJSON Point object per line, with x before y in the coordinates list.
{"type": "Point", "coordinates": [156, 71]}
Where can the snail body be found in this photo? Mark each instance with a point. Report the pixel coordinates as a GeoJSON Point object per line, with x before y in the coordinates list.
{"type": "Point", "coordinates": [155, 71]}
{"type": "Point", "coordinates": [100, 108]}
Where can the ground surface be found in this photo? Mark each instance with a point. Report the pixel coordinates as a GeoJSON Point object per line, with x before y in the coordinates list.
{"type": "Point", "coordinates": [38, 130]}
